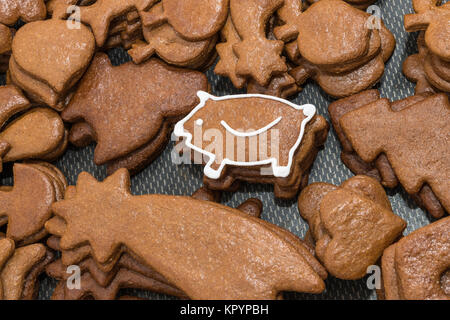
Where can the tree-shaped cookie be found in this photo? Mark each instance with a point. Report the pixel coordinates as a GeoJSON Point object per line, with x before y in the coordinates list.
{"type": "Point", "coordinates": [415, 141]}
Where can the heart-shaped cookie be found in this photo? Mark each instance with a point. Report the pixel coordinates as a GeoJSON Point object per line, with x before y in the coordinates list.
{"type": "Point", "coordinates": [32, 135]}
{"type": "Point", "coordinates": [53, 53]}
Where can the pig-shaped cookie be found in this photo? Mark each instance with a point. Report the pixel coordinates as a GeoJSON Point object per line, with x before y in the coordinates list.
{"type": "Point", "coordinates": [253, 138]}
{"type": "Point", "coordinates": [248, 130]}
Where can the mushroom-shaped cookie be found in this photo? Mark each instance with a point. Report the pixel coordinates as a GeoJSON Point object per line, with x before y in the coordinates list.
{"type": "Point", "coordinates": [351, 224]}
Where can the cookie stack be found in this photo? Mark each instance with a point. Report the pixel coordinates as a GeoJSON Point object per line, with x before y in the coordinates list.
{"type": "Point", "coordinates": [161, 24]}
{"type": "Point", "coordinates": [129, 110]}
{"type": "Point", "coordinates": [228, 176]}
{"type": "Point", "coordinates": [124, 31]}
{"type": "Point", "coordinates": [417, 266]}
{"type": "Point", "coordinates": [246, 53]}
{"type": "Point", "coordinates": [5, 47]}
{"type": "Point", "coordinates": [388, 140]}
{"type": "Point", "coordinates": [122, 26]}
{"type": "Point", "coordinates": [430, 68]}
{"type": "Point", "coordinates": [348, 249]}
{"type": "Point", "coordinates": [103, 282]}
{"type": "Point", "coordinates": [360, 4]}
{"type": "Point", "coordinates": [40, 68]}
{"type": "Point", "coordinates": [27, 205]}
{"type": "Point", "coordinates": [10, 12]}
{"type": "Point", "coordinates": [20, 269]}
{"type": "Point", "coordinates": [344, 56]}
{"type": "Point", "coordinates": [185, 48]}
{"type": "Point", "coordinates": [35, 133]}
{"type": "Point", "coordinates": [158, 261]}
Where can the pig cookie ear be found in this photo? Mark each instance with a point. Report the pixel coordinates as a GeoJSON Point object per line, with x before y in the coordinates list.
{"type": "Point", "coordinates": [309, 110]}
{"type": "Point", "coordinates": [178, 130]}
{"type": "Point", "coordinates": [203, 96]}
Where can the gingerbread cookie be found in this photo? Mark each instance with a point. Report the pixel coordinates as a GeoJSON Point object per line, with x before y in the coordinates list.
{"type": "Point", "coordinates": [135, 134]}
{"type": "Point", "coordinates": [282, 86]}
{"type": "Point", "coordinates": [101, 13]}
{"type": "Point", "coordinates": [417, 267]}
{"type": "Point", "coordinates": [33, 134]}
{"type": "Point", "coordinates": [269, 141]}
{"type": "Point", "coordinates": [6, 250]}
{"type": "Point", "coordinates": [48, 59]}
{"type": "Point", "coordinates": [434, 20]}
{"type": "Point", "coordinates": [26, 10]}
{"type": "Point", "coordinates": [351, 225]}
{"type": "Point", "coordinates": [194, 20]}
{"type": "Point", "coordinates": [102, 284]}
{"type": "Point", "coordinates": [226, 66]}
{"type": "Point", "coordinates": [360, 4]}
{"type": "Point", "coordinates": [348, 58]}
{"type": "Point", "coordinates": [196, 229]}
{"type": "Point", "coordinates": [392, 140]}
{"type": "Point", "coordinates": [413, 68]}
{"type": "Point", "coordinates": [430, 68]}
{"type": "Point", "coordinates": [27, 206]}
{"type": "Point", "coordinates": [104, 273]}
{"type": "Point", "coordinates": [21, 269]}
{"type": "Point", "coordinates": [5, 47]}
{"type": "Point", "coordinates": [164, 41]}
{"type": "Point", "coordinates": [257, 56]}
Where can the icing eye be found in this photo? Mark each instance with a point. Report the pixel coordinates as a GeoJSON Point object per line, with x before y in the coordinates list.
{"type": "Point", "coordinates": [199, 122]}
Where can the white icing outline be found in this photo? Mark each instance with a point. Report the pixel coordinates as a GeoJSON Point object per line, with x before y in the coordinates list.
{"type": "Point", "coordinates": [251, 133]}
{"type": "Point", "coordinates": [309, 111]}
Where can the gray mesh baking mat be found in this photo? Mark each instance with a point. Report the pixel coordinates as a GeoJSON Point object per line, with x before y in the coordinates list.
{"type": "Point", "coordinates": [164, 177]}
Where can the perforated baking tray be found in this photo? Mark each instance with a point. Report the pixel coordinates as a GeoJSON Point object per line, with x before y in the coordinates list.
{"type": "Point", "coordinates": [164, 177]}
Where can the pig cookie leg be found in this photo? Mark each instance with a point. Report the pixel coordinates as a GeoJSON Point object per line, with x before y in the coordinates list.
{"type": "Point", "coordinates": [213, 169]}
{"type": "Point", "coordinates": [288, 192]}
